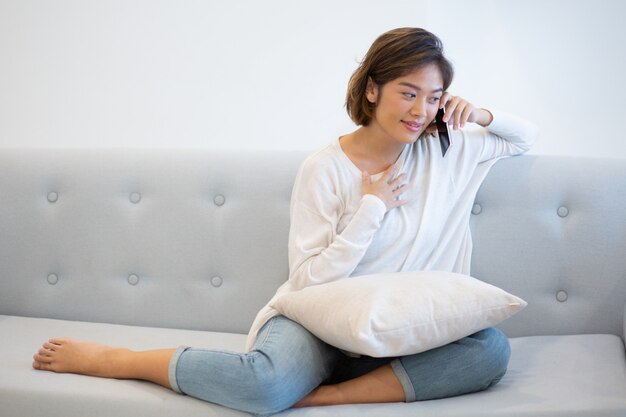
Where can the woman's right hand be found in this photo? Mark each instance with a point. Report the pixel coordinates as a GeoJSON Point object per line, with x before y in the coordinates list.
{"type": "Point", "coordinates": [387, 188]}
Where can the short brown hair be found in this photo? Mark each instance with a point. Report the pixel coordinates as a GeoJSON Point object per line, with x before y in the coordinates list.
{"type": "Point", "coordinates": [392, 55]}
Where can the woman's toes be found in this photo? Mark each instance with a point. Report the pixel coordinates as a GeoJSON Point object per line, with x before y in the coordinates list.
{"type": "Point", "coordinates": [44, 352]}
{"type": "Point", "coordinates": [42, 358]}
{"type": "Point", "coordinates": [42, 366]}
{"type": "Point", "coordinates": [46, 358]}
{"type": "Point", "coordinates": [50, 346]}
{"type": "Point", "coordinates": [58, 341]}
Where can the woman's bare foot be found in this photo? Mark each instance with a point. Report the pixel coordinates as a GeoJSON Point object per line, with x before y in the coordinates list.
{"type": "Point", "coordinates": [75, 356]}
{"type": "Point", "coordinates": [87, 358]}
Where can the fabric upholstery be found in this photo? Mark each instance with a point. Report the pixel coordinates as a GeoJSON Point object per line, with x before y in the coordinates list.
{"type": "Point", "coordinates": [579, 375]}
{"type": "Point", "coordinates": [209, 229]}
{"type": "Point", "coordinates": [184, 246]}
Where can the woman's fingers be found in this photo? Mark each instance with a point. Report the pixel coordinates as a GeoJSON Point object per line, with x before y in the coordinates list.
{"type": "Point", "coordinates": [397, 187]}
{"type": "Point", "coordinates": [394, 182]}
{"type": "Point", "coordinates": [443, 101]}
{"type": "Point", "coordinates": [389, 188]}
{"type": "Point", "coordinates": [458, 111]}
{"type": "Point", "coordinates": [467, 112]}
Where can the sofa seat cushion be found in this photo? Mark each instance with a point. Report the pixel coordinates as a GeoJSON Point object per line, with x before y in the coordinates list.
{"type": "Point", "coordinates": [579, 375]}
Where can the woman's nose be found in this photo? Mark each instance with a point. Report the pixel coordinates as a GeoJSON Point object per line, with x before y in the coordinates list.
{"type": "Point", "coordinates": [418, 109]}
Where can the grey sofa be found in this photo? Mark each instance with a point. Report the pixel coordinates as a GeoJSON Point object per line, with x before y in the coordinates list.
{"type": "Point", "coordinates": [158, 248]}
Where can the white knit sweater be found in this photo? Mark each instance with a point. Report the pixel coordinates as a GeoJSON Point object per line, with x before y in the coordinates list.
{"type": "Point", "coordinates": [336, 232]}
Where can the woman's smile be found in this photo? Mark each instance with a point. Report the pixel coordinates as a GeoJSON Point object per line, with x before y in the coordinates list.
{"type": "Point", "coordinates": [412, 126]}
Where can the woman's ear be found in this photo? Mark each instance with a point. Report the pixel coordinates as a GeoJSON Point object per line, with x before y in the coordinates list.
{"type": "Point", "coordinates": [371, 91]}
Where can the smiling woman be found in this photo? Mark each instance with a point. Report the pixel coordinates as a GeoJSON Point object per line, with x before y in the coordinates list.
{"type": "Point", "coordinates": [400, 99]}
{"type": "Point", "coordinates": [393, 55]}
{"type": "Point", "coordinates": [381, 199]}
{"type": "Point", "coordinates": [404, 107]}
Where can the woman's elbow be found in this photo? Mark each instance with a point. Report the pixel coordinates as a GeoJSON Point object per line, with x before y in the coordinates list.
{"type": "Point", "coordinates": [531, 137]}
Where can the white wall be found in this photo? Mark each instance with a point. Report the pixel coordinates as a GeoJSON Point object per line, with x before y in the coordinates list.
{"type": "Point", "coordinates": [272, 74]}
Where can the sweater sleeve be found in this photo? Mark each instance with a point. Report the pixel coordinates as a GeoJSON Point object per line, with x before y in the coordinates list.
{"type": "Point", "coordinates": [317, 253]}
{"type": "Point", "coordinates": [507, 135]}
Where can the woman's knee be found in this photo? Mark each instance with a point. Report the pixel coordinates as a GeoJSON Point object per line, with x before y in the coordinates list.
{"type": "Point", "coordinates": [284, 366]}
{"type": "Point", "coordinates": [276, 387]}
{"type": "Point", "coordinates": [471, 364]}
{"type": "Point", "coordinates": [282, 380]}
{"type": "Point", "coordinates": [492, 353]}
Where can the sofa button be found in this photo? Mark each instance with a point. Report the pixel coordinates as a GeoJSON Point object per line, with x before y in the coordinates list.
{"type": "Point", "coordinates": [133, 279]}
{"type": "Point", "coordinates": [477, 209]}
{"type": "Point", "coordinates": [217, 281]}
{"type": "Point", "coordinates": [561, 296]}
{"type": "Point", "coordinates": [135, 198]}
{"type": "Point", "coordinates": [53, 279]}
{"type": "Point", "coordinates": [562, 211]}
{"type": "Point", "coordinates": [53, 197]}
{"type": "Point", "coordinates": [219, 200]}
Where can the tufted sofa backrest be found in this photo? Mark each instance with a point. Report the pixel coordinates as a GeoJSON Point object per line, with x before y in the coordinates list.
{"type": "Point", "coordinates": [191, 239]}
{"type": "Point", "coordinates": [196, 239]}
{"type": "Point", "coordinates": [553, 231]}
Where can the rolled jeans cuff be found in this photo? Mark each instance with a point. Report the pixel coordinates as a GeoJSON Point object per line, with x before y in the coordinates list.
{"type": "Point", "coordinates": [405, 381]}
{"type": "Point", "coordinates": [172, 368]}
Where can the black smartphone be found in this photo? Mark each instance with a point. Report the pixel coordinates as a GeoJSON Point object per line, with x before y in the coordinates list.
{"type": "Point", "coordinates": [442, 130]}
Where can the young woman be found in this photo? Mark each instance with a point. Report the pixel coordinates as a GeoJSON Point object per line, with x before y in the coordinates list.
{"type": "Point", "coordinates": [383, 198]}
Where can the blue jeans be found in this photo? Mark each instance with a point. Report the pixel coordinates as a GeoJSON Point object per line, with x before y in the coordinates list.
{"type": "Point", "coordinates": [287, 362]}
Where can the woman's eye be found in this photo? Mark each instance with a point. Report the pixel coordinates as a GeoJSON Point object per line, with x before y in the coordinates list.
{"type": "Point", "coordinates": [409, 95]}
{"type": "Point", "coordinates": [434, 99]}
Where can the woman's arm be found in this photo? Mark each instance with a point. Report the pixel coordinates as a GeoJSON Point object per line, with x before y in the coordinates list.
{"type": "Point", "coordinates": [505, 135]}
{"type": "Point", "coordinates": [317, 252]}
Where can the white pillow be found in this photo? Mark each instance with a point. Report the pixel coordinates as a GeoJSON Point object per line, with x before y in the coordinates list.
{"type": "Point", "coordinates": [397, 314]}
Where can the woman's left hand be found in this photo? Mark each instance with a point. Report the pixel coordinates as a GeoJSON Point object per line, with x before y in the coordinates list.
{"type": "Point", "coordinates": [458, 111]}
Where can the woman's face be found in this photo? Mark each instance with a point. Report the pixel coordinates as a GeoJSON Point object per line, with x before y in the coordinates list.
{"type": "Point", "coordinates": [407, 105]}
